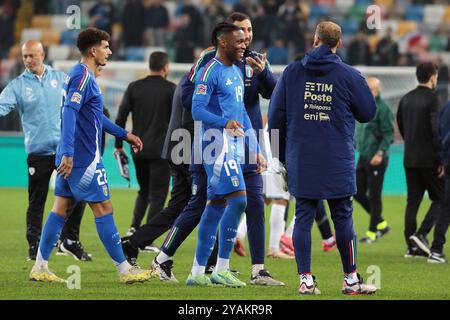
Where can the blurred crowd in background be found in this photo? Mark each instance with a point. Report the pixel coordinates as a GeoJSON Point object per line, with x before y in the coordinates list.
{"type": "Point", "coordinates": [411, 29]}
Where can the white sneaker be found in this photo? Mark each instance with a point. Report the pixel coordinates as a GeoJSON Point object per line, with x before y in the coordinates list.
{"type": "Point", "coordinates": [151, 249]}
{"type": "Point", "coordinates": [358, 288]}
{"type": "Point", "coordinates": [131, 231]}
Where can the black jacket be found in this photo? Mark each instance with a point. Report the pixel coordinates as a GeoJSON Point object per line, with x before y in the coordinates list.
{"type": "Point", "coordinates": [178, 138]}
{"type": "Point", "coordinates": [417, 120]}
{"type": "Point", "coordinates": [150, 102]}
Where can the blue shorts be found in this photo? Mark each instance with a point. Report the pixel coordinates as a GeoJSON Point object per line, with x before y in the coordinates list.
{"type": "Point", "coordinates": [88, 184]}
{"type": "Point", "coordinates": [225, 173]}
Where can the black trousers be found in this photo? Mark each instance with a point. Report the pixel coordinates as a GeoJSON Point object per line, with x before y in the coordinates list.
{"type": "Point", "coordinates": [369, 182]}
{"type": "Point", "coordinates": [443, 220]}
{"type": "Point", "coordinates": [163, 220]}
{"type": "Point", "coordinates": [153, 176]}
{"type": "Point", "coordinates": [418, 180]}
{"type": "Point", "coordinates": [40, 169]}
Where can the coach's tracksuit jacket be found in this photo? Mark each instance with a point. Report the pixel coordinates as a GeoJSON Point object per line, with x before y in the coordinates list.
{"type": "Point", "coordinates": [39, 104]}
{"type": "Point", "coordinates": [377, 134]}
{"type": "Point", "coordinates": [314, 105]}
{"type": "Point", "coordinates": [263, 84]}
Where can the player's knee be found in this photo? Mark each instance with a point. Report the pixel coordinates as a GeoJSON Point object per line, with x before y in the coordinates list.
{"type": "Point", "coordinates": [101, 209]}
{"type": "Point", "coordinates": [61, 206]}
{"type": "Point", "coordinates": [240, 203]}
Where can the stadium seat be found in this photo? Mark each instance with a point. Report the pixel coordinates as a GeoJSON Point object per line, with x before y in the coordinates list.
{"type": "Point", "coordinates": [364, 2]}
{"type": "Point", "coordinates": [349, 27]}
{"type": "Point", "coordinates": [58, 52]}
{"type": "Point", "coordinates": [404, 27]}
{"type": "Point", "coordinates": [433, 14]}
{"type": "Point", "coordinates": [415, 12]}
{"type": "Point", "coordinates": [41, 22]}
{"type": "Point", "coordinates": [30, 34]}
{"type": "Point", "coordinates": [384, 3]}
{"type": "Point", "coordinates": [59, 23]}
{"type": "Point", "coordinates": [134, 54]}
{"type": "Point", "coordinates": [325, 2]}
{"type": "Point", "coordinates": [69, 37]}
{"type": "Point", "coordinates": [345, 3]}
{"type": "Point", "coordinates": [50, 37]}
{"type": "Point", "coordinates": [357, 12]}
{"type": "Point", "coordinates": [318, 11]}
{"type": "Point", "coordinates": [446, 17]}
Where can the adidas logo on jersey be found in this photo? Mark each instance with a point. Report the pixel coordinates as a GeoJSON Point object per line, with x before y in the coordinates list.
{"type": "Point", "coordinates": [228, 82]}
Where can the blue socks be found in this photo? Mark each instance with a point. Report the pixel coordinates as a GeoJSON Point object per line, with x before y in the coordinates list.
{"type": "Point", "coordinates": [50, 235]}
{"type": "Point", "coordinates": [110, 237]}
{"type": "Point", "coordinates": [207, 231]}
{"type": "Point", "coordinates": [229, 224]}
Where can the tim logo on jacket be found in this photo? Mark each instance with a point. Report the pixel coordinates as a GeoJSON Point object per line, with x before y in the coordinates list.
{"type": "Point", "coordinates": [318, 100]}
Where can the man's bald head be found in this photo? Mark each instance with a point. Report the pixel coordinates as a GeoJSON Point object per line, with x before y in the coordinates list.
{"type": "Point", "coordinates": [374, 85]}
{"type": "Point", "coordinates": [33, 56]}
{"type": "Point", "coordinates": [329, 33]}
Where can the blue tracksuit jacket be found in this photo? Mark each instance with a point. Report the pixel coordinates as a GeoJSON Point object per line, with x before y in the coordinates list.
{"type": "Point", "coordinates": [314, 105]}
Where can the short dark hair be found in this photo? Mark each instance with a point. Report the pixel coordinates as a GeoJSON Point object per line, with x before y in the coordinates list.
{"type": "Point", "coordinates": [158, 60]}
{"type": "Point", "coordinates": [425, 70]}
{"type": "Point", "coordinates": [237, 16]}
{"type": "Point", "coordinates": [329, 33]}
{"type": "Point", "coordinates": [221, 29]}
{"type": "Point", "coordinates": [89, 38]}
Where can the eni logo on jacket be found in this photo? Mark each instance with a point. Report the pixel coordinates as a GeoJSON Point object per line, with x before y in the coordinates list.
{"type": "Point", "coordinates": [317, 97]}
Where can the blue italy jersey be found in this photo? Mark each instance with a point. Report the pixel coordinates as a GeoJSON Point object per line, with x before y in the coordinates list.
{"type": "Point", "coordinates": [82, 93]}
{"type": "Point", "coordinates": [219, 97]}
{"type": "Point", "coordinates": [254, 86]}
{"type": "Point", "coordinates": [219, 90]}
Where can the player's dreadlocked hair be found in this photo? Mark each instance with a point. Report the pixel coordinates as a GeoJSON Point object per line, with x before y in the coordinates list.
{"type": "Point", "coordinates": [90, 37]}
{"type": "Point", "coordinates": [221, 29]}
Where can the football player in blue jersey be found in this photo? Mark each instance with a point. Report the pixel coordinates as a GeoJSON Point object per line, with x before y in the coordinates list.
{"type": "Point", "coordinates": [81, 175]}
{"type": "Point", "coordinates": [258, 80]}
{"type": "Point", "coordinates": [218, 102]}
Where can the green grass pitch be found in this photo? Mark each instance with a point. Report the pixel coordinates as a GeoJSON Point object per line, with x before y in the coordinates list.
{"type": "Point", "coordinates": [400, 278]}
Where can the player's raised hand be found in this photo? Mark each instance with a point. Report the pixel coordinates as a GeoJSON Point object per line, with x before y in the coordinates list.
{"type": "Point", "coordinates": [256, 63]}
{"type": "Point", "coordinates": [261, 162]}
{"type": "Point", "coordinates": [234, 128]}
{"type": "Point", "coordinates": [65, 167]}
{"type": "Point", "coordinates": [135, 141]}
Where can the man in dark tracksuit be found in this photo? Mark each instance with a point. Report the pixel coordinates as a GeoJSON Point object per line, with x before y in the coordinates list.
{"type": "Point", "coordinates": [372, 141]}
{"type": "Point", "coordinates": [150, 102]}
{"type": "Point", "coordinates": [314, 107]}
{"type": "Point", "coordinates": [443, 220]}
{"type": "Point", "coordinates": [258, 79]}
{"type": "Point", "coordinates": [181, 186]}
{"type": "Point", "coordinates": [417, 119]}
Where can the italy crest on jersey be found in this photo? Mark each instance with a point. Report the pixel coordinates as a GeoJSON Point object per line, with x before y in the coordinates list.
{"type": "Point", "coordinates": [235, 181]}
{"type": "Point", "coordinates": [248, 71]}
